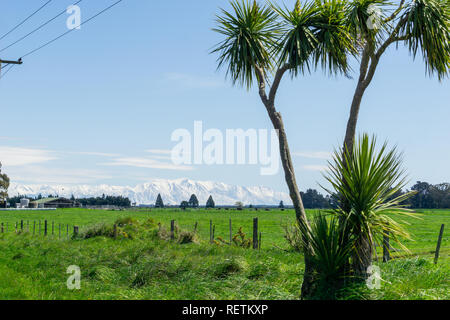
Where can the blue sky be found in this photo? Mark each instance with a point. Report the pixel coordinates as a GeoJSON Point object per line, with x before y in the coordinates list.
{"type": "Point", "coordinates": [88, 108]}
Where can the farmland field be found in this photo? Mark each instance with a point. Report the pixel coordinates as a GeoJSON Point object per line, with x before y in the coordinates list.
{"type": "Point", "coordinates": [34, 266]}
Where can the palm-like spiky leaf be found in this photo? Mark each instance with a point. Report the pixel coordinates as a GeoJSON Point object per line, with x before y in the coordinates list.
{"type": "Point", "coordinates": [427, 27]}
{"type": "Point", "coordinates": [251, 35]}
{"type": "Point", "coordinates": [334, 41]}
{"type": "Point", "coordinates": [316, 34]}
{"type": "Point", "coordinates": [330, 248]}
{"type": "Point", "coordinates": [368, 179]}
{"type": "Point", "coordinates": [299, 40]}
{"type": "Point", "coordinates": [361, 14]}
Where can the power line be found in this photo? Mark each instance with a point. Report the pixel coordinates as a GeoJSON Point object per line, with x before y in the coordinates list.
{"type": "Point", "coordinates": [67, 32]}
{"type": "Point", "coordinates": [26, 19]}
{"type": "Point", "coordinates": [7, 70]}
{"type": "Point", "coordinates": [38, 28]}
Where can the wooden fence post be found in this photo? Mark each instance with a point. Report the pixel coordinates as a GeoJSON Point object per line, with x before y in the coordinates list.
{"type": "Point", "coordinates": [21, 225]}
{"type": "Point", "coordinates": [210, 231]}
{"type": "Point", "coordinates": [16, 227]}
{"type": "Point", "coordinates": [53, 228]}
{"type": "Point", "coordinates": [386, 247]}
{"type": "Point", "coordinates": [115, 231]}
{"type": "Point", "coordinates": [2, 228]}
{"type": "Point", "coordinates": [255, 233]}
{"type": "Point", "coordinates": [75, 230]}
{"type": "Point", "coordinates": [172, 229]}
{"type": "Point", "coordinates": [214, 233]}
{"type": "Point", "coordinates": [195, 227]}
{"type": "Point", "coordinates": [231, 233]}
{"type": "Point", "coordinates": [45, 227]}
{"type": "Point", "coordinates": [438, 247]}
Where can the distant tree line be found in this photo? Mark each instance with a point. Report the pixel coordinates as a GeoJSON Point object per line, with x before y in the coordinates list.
{"type": "Point", "coordinates": [430, 196]}
{"type": "Point", "coordinates": [119, 201]}
{"type": "Point", "coordinates": [104, 200]}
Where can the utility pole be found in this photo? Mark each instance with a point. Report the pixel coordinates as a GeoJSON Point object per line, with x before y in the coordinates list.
{"type": "Point", "coordinates": [6, 62]}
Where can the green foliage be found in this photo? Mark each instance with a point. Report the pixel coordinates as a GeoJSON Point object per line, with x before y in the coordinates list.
{"type": "Point", "coordinates": [293, 236]}
{"type": "Point", "coordinates": [240, 239]}
{"type": "Point", "coordinates": [98, 230]}
{"type": "Point", "coordinates": [180, 236]}
{"type": "Point", "coordinates": [185, 237]}
{"type": "Point", "coordinates": [298, 41]}
{"type": "Point", "coordinates": [334, 41]}
{"type": "Point", "coordinates": [4, 184]}
{"type": "Point", "coordinates": [315, 34]}
{"type": "Point", "coordinates": [184, 205]}
{"type": "Point", "coordinates": [359, 12]}
{"type": "Point", "coordinates": [159, 202]}
{"type": "Point", "coordinates": [125, 221]}
{"type": "Point", "coordinates": [427, 28]}
{"type": "Point", "coordinates": [104, 200]}
{"type": "Point", "coordinates": [193, 201]}
{"type": "Point", "coordinates": [251, 33]}
{"type": "Point", "coordinates": [331, 249]}
{"type": "Point", "coordinates": [367, 179]}
{"type": "Point", "coordinates": [210, 203]}
{"type": "Point", "coordinates": [33, 267]}
{"type": "Point", "coordinates": [228, 267]}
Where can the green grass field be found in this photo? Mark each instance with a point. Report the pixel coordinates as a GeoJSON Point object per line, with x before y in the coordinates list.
{"type": "Point", "coordinates": [34, 267]}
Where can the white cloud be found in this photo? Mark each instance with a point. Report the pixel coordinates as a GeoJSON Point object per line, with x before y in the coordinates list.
{"type": "Point", "coordinates": [315, 167]}
{"type": "Point", "coordinates": [146, 163]}
{"type": "Point", "coordinates": [13, 156]}
{"type": "Point", "coordinates": [314, 155]}
{"type": "Point", "coordinates": [160, 154]}
{"type": "Point", "coordinates": [44, 175]}
{"type": "Point", "coordinates": [159, 151]}
{"type": "Point", "coordinates": [99, 154]}
{"type": "Point", "coordinates": [192, 81]}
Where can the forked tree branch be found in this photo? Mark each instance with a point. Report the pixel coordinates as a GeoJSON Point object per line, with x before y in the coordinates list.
{"type": "Point", "coordinates": [276, 81]}
{"type": "Point", "coordinates": [396, 12]}
{"type": "Point", "coordinates": [375, 58]}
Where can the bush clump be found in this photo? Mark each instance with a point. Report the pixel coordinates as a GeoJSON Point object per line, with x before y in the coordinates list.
{"type": "Point", "coordinates": [97, 230]}
{"type": "Point", "coordinates": [229, 266]}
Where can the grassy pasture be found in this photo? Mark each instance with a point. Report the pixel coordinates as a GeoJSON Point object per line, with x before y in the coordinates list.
{"type": "Point", "coordinates": [35, 268]}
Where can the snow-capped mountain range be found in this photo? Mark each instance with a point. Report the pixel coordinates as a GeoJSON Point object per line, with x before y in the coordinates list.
{"type": "Point", "coordinates": [172, 192]}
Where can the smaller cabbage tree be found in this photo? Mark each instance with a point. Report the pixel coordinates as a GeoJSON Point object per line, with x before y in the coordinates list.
{"type": "Point", "coordinates": [369, 181]}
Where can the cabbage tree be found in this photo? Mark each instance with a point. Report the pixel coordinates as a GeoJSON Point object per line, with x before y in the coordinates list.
{"type": "Point", "coordinates": [423, 26]}
{"type": "Point", "coordinates": [263, 43]}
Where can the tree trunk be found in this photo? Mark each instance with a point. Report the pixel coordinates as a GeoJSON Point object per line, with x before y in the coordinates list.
{"type": "Point", "coordinates": [286, 161]}
{"type": "Point", "coordinates": [362, 258]}
{"type": "Point", "coordinates": [300, 213]}
{"type": "Point", "coordinates": [361, 250]}
{"type": "Point", "coordinates": [350, 133]}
